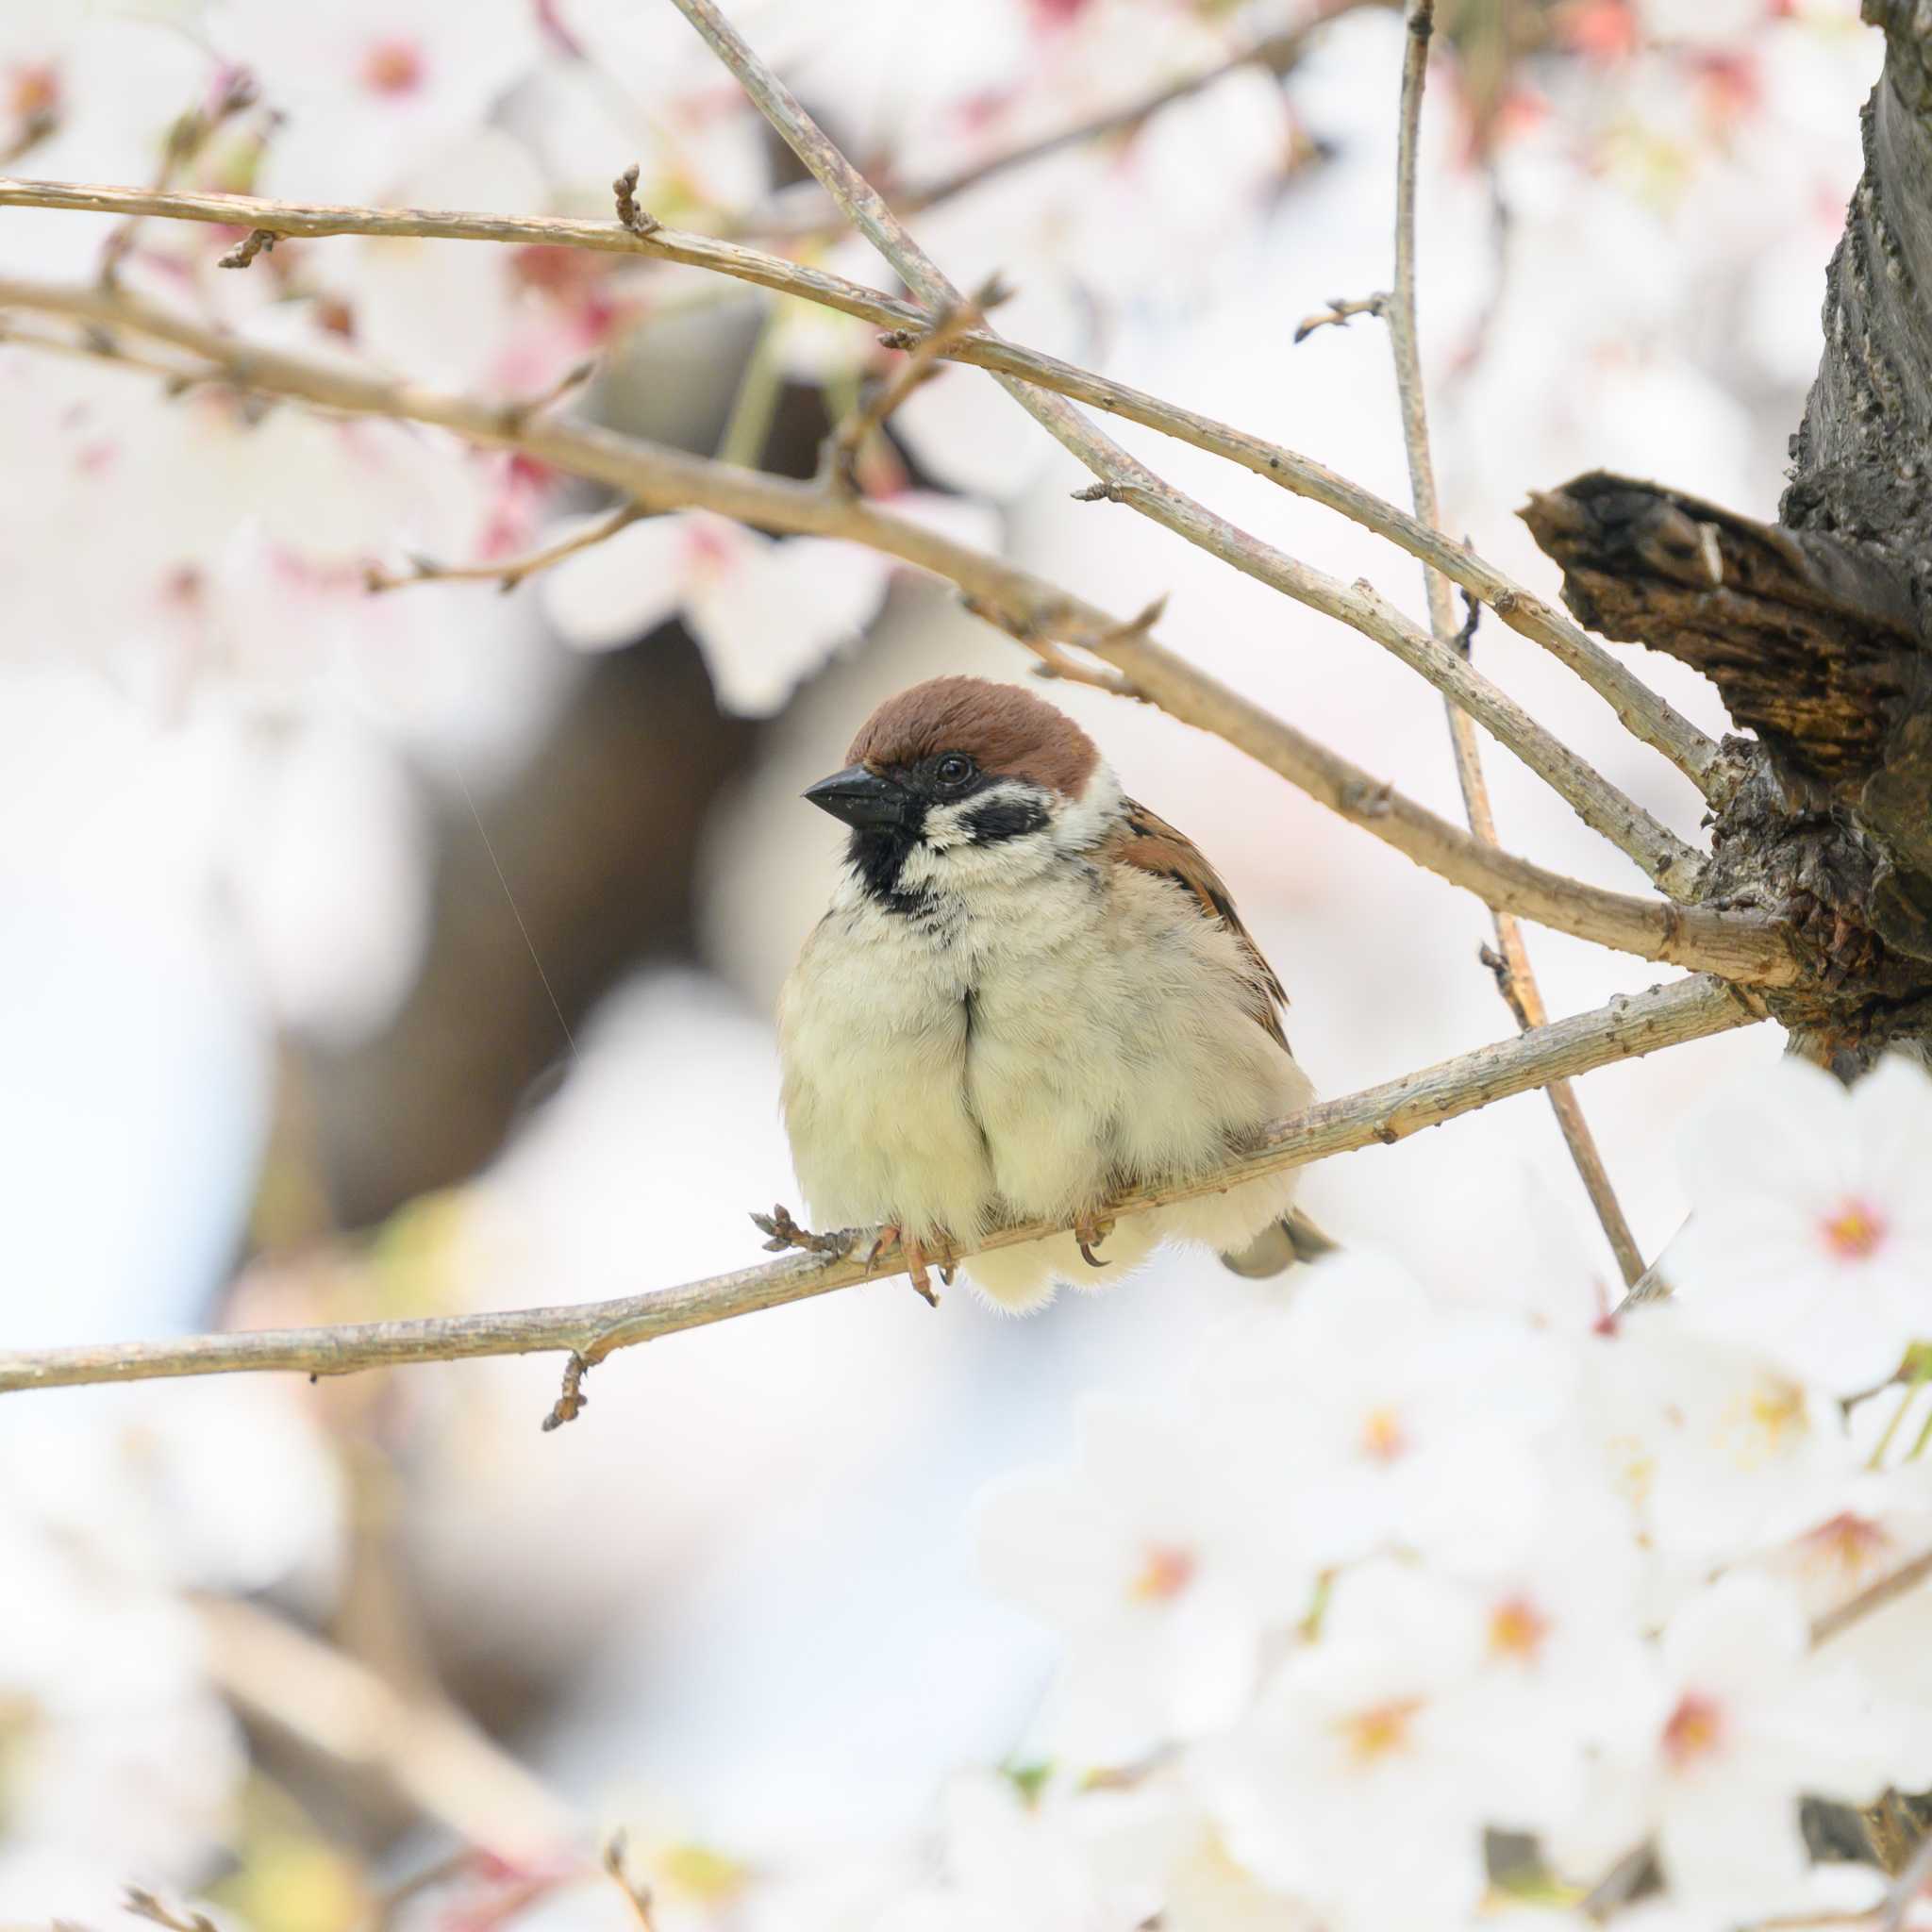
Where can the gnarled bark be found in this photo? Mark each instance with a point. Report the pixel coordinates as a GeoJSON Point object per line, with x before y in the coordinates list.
{"type": "Point", "coordinates": [1817, 629]}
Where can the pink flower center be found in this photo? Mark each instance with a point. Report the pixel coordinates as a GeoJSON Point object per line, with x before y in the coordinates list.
{"type": "Point", "coordinates": [1379, 1731]}
{"type": "Point", "coordinates": [1382, 1438]}
{"type": "Point", "coordinates": [1695, 1731]}
{"type": "Point", "coordinates": [1855, 1232]}
{"type": "Point", "coordinates": [1162, 1578]}
{"type": "Point", "coordinates": [393, 67]}
{"type": "Point", "coordinates": [1516, 1629]}
{"type": "Point", "coordinates": [1847, 1542]}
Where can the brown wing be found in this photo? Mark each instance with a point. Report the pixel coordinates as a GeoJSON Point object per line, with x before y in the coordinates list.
{"type": "Point", "coordinates": [1148, 842]}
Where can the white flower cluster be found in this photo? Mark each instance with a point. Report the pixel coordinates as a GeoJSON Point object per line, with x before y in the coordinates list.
{"type": "Point", "coordinates": [1403, 1601]}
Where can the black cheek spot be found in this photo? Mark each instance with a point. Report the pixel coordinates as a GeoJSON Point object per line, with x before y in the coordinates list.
{"type": "Point", "coordinates": [1001, 819]}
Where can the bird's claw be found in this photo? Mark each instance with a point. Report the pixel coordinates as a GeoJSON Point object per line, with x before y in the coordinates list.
{"type": "Point", "coordinates": [915, 1258]}
{"type": "Point", "coordinates": [1089, 1232]}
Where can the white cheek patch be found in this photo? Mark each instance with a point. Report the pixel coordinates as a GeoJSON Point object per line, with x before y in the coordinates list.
{"type": "Point", "coordinates": [1082, 823]}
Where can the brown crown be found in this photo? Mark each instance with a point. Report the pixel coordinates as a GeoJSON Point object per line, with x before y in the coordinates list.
{"type": "Point", "coordinates": [1001, 727]}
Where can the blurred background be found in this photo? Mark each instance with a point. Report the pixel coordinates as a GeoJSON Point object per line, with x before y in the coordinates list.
{"type": "Point", "coordinates": [375, 954]}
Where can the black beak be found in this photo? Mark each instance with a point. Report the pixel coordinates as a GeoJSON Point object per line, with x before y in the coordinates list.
{"type": "Point", "coordinates": [861, 798]}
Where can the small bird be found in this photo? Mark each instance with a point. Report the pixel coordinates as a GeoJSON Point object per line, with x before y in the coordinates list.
{"type": "Point", "coordinates": [1030, 994]}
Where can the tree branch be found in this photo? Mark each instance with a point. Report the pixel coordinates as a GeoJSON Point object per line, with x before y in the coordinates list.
{"type": "Point", "coordinates": [1664, 1016]}
{"type": "Point", "coordinates": [1742, 946]}
{"type": "Point", "coordinates": [1663, 856]}
{"type": "Point", "coordinates": [1645, 715]}
{"type": "Point", "coordinates": [1515, 978]}
{"type": "Point", "coordinates": [511, 570]}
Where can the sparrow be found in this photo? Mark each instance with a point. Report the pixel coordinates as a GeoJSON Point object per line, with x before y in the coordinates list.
{"type": "Point", "coordinates": [1028, 994]}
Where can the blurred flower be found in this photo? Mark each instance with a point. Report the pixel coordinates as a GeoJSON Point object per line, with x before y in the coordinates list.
{"type": "Point", "coordinates": [371, 87]}
{"type": "Point", "coordinates": [1742, 1721]}
{"type": "Point", "coordinates": [1146, 1555]}
{"type": "Point", "coordinates": [1031, 1854]}
{"type": "Point", "coordinates": [1810, 1237]}
{"type": "Point", "coordinates": [765, 613]}
{"type": "Point", "coordinates": [1361, 1783]}
{"type": "Point", "coordinates": [1356, 1403]}
{"type": "Point", "coordinates": [1706, 1442]}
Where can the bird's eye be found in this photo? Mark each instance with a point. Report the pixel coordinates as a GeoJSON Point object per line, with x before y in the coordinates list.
{"type": "Point", "coordinates": [953, 770]}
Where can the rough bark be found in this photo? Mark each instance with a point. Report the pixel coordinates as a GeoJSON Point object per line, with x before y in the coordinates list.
{"type": "Point", "coordinates": [1816, 629]}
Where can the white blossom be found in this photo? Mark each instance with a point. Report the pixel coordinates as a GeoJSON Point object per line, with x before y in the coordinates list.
{"type": "Point", "coordinates": [1149, 1559]}
{"type": "Point", "coordinates": [1810, 1237]}
{"type": "Point", "coordinates": [765, 613]}
{"type": "Point", "coordinates": [1741, 1720]}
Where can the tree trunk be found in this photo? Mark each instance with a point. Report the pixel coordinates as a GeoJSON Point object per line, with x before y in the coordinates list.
{"type": "Point", "coordinates": [1816, 629]}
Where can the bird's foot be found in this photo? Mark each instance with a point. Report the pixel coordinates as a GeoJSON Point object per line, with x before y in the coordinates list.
{"type": "Point", "coordinates": [1089, 1232]}
{"type": "Point", "coordinates": [783, 1233]}
{"type": "Point", "coordinates": [916, 1259]}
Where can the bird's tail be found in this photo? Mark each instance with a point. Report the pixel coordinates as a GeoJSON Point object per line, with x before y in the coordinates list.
{"type": "Point", "coordinates": [1276, 1249]}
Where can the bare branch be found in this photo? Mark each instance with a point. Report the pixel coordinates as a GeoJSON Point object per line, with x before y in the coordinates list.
{"type": "Point", "coordinates": [1515, 978]}
{"type": "Point", "coordinates": [1741, 946]}
{"type": "Point", "coordinates": [1642, 712]}
{"type": "Point", "coordinates": [426, 1752]}
{"type": "Point", "coordinates": [512, 570]}
{"type": "Point", "coordinates": [1664, 1016]}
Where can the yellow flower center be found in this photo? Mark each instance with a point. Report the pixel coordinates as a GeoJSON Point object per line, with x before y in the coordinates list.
{"type": "Point", "coordinates": [1382, 1438]}
{"type": "Point", "coordinates": [1856, 1232]}
{"type": "Point", "coordinates": [1516, 1629]}
{"type": "Point", "coordinates": [1377, 1732]}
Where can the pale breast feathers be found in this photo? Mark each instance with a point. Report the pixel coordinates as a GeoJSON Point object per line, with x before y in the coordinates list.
{"type": "Point", "coordinates": [1146, 841]}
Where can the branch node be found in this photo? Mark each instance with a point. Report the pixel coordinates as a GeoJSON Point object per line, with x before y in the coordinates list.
{"type": "Point", "coordinates": [257, 242]}
{"type": "Point", "coordinates": [1338, 313]}
{"type": "Point", "coordinates": [1367, 799]}
{"type": "Point", "coordinates": [1108, 492]}
{"type": "Point", "coordinates": [784, 1234]}
{"type": "Point", "coordinates": [639, 220]}
{"type": "Point", "coordinates": [571, 1400]}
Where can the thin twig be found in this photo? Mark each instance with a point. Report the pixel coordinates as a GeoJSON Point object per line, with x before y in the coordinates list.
{"type": "Point", "coordinates": [636, 1893]}
{"type": "Point", "coordinates": [507, 573]}
{"type": "Point", "coordinates": [1644, 714]}
{"type": "Point", "coordinates": [843, 447]}
{"type": "Point", "coordinates": [144, 1905]}
{"type": "Point", "coordinates": [1277, 51]}
{"type": "Point", "coordinates": [1662, 1017]}
{"type": "Point", "coordinates": [1745, 947]}
{"type": "Point", "coordinates": [1338, 313]}
{"type": "Point", "coordinates": [1515, 979]}
{"type": "Point", "coordinates": [1874, 1596]}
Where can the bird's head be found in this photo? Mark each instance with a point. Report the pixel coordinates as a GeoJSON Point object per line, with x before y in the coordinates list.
{"type": "Point", "coordinates": [958, 781]}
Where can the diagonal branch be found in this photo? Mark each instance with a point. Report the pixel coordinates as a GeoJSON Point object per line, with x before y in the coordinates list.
{"type": "Point", "coordinates": [1515, 978]}
{"type": "Point", "coordinates": [1664, 858]}
{"type": "Point", "coordinates": [1645, 715]}
{"type": "Point", "coordinates": [1742, 946]}
{"type": "Point", "coordinates": [1664, 1016]}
